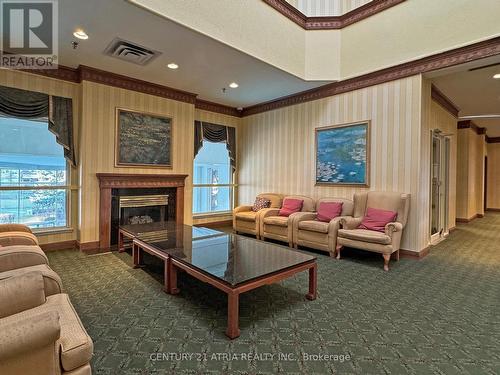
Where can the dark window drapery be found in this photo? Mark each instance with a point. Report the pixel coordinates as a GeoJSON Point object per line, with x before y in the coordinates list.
{"type": "Point", "coordinates": [56, 110]}
{"type": "Point", "coordinates": [218, 134]}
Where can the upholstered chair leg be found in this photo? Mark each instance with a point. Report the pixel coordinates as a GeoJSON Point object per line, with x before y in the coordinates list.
{"type": "Point", "coordinates": [387, 258]}
{"type": "Point", "coordinates": [397, 255]}
{"type": "Point", "coordinates": [332, 254]}
{"type": "Point", "coordinates": [337, 249]}
{"type": "Point", "coordinates": [290, 244]}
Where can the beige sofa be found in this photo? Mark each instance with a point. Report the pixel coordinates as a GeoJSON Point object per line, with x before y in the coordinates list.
{"type": "Point", "coordinates": [280, 228]}
{"type": "Point", "coordinates": [247, 221]}
{"type": "Point", "coordinates": [40, 335]}
{"type": "Point", "coordinates": [385, 243]}
{"type": "Point", "coordinates": [309, 232]}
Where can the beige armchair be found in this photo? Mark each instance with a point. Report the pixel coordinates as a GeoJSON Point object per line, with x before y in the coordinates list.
{"type": "Point", "coordinates": [309, 232]}
{"type": "Point", "coordinates": [385, 243]}
{"type": "Point", "coordinates": [40, 335]}
{"type": "Point", "coordinates": [247, 221]}
{"type": "Point", "coordinates": [280, 228]}
{"type": "Point", "coordinates": [16, 234]}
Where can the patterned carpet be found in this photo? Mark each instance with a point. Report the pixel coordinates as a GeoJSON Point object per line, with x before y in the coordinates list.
{"type": "Point", "coordinates": [440, 315]}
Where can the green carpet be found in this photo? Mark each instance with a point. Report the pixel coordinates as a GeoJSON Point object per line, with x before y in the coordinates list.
{"type": "Point", "coordinates": [439, 315]}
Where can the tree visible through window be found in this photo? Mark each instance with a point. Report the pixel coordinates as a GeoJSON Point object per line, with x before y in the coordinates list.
{"type": "Point", "coordinates": [212, 179]}
{"type": "Point", "coordinates": [33, 175]}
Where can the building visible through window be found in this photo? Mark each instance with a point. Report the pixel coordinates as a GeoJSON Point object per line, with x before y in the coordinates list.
{"type": "Point", "coordinates": [33, 175]}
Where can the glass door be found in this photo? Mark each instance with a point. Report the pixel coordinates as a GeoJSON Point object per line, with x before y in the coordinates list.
{"type": "Point", "coordinates": [439, 185]}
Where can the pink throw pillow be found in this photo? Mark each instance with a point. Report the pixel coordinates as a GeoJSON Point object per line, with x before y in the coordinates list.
{"type": "Point", "coordinates": [376, 219]}
{"type": "Point", "coordinates": [329, 210]}
{"type": "Point", "coordinates": [290, 206]}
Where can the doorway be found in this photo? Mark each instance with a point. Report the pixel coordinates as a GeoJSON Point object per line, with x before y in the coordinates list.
{"type": "Point", "coordinates": [440, 166]}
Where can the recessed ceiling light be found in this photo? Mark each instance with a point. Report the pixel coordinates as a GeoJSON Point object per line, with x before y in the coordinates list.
{"type": "Point", "coordinates": [173, 66]}
{"type": "Point", "coordinates": [80, 34]}
{"type": "Point", "coordinates": [233, 85]}
{"type": "Point", "coordinates": [497, 76]}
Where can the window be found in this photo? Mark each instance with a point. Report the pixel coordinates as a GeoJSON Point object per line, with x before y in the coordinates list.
{"type": "Point", "coordinates": [33, 175]}
{"type": "Point", "coordinates": [213, 180]}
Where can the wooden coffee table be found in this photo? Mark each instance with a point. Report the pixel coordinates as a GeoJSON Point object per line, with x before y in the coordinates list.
{"type": "Point", "coordinates": [233, 264]}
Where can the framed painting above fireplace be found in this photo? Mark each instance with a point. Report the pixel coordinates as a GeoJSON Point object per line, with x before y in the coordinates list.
{"type": "Point", "coordinates": [343, 154]}
{"type": "Point", "coordinates": [143, 139]}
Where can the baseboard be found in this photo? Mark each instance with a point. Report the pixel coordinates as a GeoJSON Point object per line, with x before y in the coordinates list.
{"type": "Point", "coordinates": [63, 245]}
{"type": "Point", "coordinates": [414, 254]}
{"type": "Point", "coordinates": [216, 224]}
{"type": "Point", "coordinates": [493, 209]}
{"type": "Point", "coordinates": [451, 229]}
{"type": "Point", "coordinates": [465, 221]}
{"type": "Point", "coordinates": [87, 246]}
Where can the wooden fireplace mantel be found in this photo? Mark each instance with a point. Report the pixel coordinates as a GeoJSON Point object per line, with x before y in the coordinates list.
{"type": "Point", "coordinates": [109, 181]}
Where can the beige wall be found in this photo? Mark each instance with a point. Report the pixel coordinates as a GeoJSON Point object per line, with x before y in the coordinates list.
{"type": "Point", "coordinates": [50, 86]}
{"type": "Point", "coordinates": [493, 198]}
{"type": "Point", "coordinates": [277, 147]}
{"type": "Point", "coordinates": [470, 187]}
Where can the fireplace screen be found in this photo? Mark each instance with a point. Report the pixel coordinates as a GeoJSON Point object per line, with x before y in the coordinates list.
{"type": "Point", "coordinates": [142, 209]}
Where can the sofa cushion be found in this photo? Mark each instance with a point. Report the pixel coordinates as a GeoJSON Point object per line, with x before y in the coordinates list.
{"type": "Point", "coordinates": [22, 292]}
{"type": "Point", "coordinates": [329, 210]}
{"type": "Point", "coordinates": [246, 215]}
{"type": "Point", "coordinates": [51, 281]}
{"type": "Point", "coordinates": [281, 221]}
{"type": "Point", "coordinates": [290, 206]}
{"type": "Point", "coordinates": [19, 256]}
{"type": "Point", "coordinates": [376, 219]}
{"type": "Point", "coordinates": [261, 203]}
{"type": "Point", "coordinates": [314, 226]}
{"type": "Point", "coordinates": [365, 235]}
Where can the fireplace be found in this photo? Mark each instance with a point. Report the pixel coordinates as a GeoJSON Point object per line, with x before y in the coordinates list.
{"type": "Point", "coordinates": [136, 198]}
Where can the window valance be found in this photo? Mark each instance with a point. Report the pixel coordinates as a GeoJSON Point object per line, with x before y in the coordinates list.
{"type": "Point", "coordinates": [58, 111]}
{"type": "Point", "coordinates": [218, 134]}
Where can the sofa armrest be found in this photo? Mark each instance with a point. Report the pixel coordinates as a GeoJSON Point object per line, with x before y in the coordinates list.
{"type": "Point", "coordinates": [242, 209]}
{"type": "Point", "coordinates": [20, 293]}
{"type": "Point", "coordinates": [265, 212]}
{"type": "Point", "coordinates": [13, 257]}
{"type": "Point", "coordinates": [20, 336]}
{"type": "Point", "coordinates": [347, 222]}
{"type": "Point", "coordinates": [18, 238]}
{"type": "Point", "coordinates": [14, 228]}
{"type": "Point", "coordinates": [390, 228]}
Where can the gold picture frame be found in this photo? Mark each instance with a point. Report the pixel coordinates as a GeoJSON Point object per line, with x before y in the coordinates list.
{"type": "Point", "coordinates": [143, 139]}
{"type": "Point", "coordinates": [342, 154]}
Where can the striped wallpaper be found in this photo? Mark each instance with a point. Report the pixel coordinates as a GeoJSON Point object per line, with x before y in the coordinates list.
{"type": "Point", "coordinates": [277, 147]}
{"type": "Point", "coordinates": [493, 199]}
{"type": "Point", "coordinates": [312, 8]}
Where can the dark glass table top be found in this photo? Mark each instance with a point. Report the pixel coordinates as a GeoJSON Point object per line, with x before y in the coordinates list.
{"type": "Point", "coordinates": [231, 258]}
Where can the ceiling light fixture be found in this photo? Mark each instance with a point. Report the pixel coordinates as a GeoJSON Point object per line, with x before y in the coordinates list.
{"type": "Point", "coordinates": [80, 34]}
{"type": "Point", "coordinates": [233, 85]}
{"type": "Point", "coordinates": [173, 66]}
{"type": "Point", "coordinates": [497, 76]}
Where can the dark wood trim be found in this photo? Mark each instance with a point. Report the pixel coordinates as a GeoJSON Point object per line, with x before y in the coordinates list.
{"type": "Point", "coordinates": [465, 221]}
{"type": "Point", "coordinates": [453, 57]}
{"type": "Point", "coordinates": [451, 229]}
{"type": "Point", "coordinates": [468, 124]}
{"type": "Point", "coordinates": [331, 22]}
{"type": "Point", "coordinates": [414, 254]}
{"type": "Point", "coordinates": [445, 102]}
{"type": "Point", "coordinates": [216, 224]}
{"type": "Point", "coordinates": [62, 72]}
{"type": "Point", "coordinates": [205, 105]}
{"type": "Point", "coordinates": [493, 139]}
{"type": "Point", "coordinates": [493, 209]}
{"type": "Point", "coordinates": [87, 246]}
{"type": "Point", "coordinates": [109, 181]}
{"type": "Point", "coordinates": [63, 245]}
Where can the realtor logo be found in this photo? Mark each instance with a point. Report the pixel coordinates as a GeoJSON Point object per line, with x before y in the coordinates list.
{"type": "Point", "coordinates": [29, 37]}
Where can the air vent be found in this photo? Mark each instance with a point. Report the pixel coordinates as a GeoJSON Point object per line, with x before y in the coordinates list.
{"type": "Point", "coordinates": [130, 52]}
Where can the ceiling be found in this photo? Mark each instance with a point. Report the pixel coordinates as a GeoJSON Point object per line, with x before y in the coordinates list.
{"type": "Point", "coordinates": [205, 65]}
{"type": "Point", "coordinates": [474, 92]}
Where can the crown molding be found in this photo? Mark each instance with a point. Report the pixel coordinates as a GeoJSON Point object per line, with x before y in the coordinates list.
{"type": "Point", "coordinates": [444, 101]}
{"type": "Point", "coordinates": [468, 124]}
{"type": "Point", "coordinates": [331, 22]}
{"type": "Point", "coordinates": [62, 72]}
{"type": "Point", "coordinates": [441, 60]}
{"type": "Point", "coordinates": [205, 105]}
{"type": "Point", "coordinates": [493, 139]}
